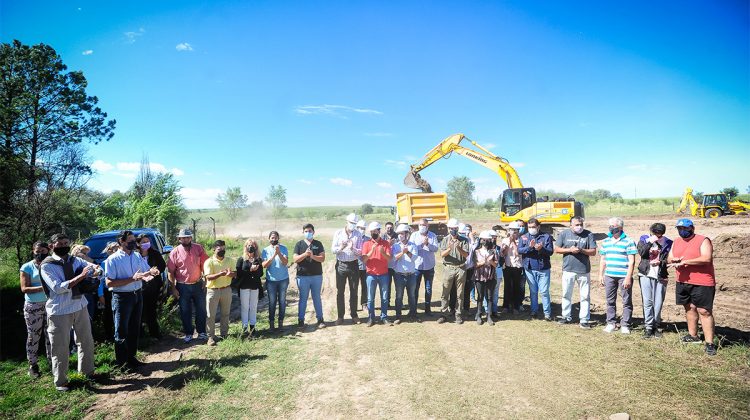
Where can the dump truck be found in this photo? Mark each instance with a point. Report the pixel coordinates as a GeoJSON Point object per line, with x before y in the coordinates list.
{"type": "Point", "coordinates": [413, 207]}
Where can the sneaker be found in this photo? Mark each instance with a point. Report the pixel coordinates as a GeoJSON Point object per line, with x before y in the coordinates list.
{"type": "Point", "coordinates": [532, 315]}
{"type": "Point", "coordinates": [211, 341]}
{"type": "Point", "coordinates": [490, 322]}
{"type": "Point", "coordinates": [387, 322]}
{"type": "Point", "coordinates": [610, 328]}
{"type": "Point", "coordinates": [479, 321]}
{"type": "Point", "coordinates": [585, 326]}
{"type": "Point", "coordinates": [62, 388]}
{"type": "Point", "coordinates": [301, 323]}
{"type": "Point", "coordinates": [356, 320]}
{"type": "Point", "coordinates": [648, 333]}
{"type": "Point", "coordinates": [563, 321]}
{"type": "Point", "coordinates": [187, 339]}
{"type": "Point", "coordinates": [369, 322]}
{"type": "Point", "coordinates": [690, 339]}
{"type": "Point", "coordinates": [548, 318]}
{"type": "Point", "coordinates": [710, 349]}
{"type": "Point", "coordinates": [459, 320]}
{"type": "Point", "coordinates": [656, 334]}
{"type": "Point", "coordinates": [427, 311]}
{"type": "Point", "coordinates": [441, 320]}
{"type": "Point", "coordinates": [281, 325]}
{"type": "Point", "coordinates": [339, 321]}
{"type": "Point", "coordinates": [624, 329]}
{"type": "Point", "coordinates": [397, 321]}
{"type": "Point", "coordinates": [34, 371]}
{"type": "Point", "coordinates": [321, 323]}
{"type": "Point", "coordinates": [202, 336]}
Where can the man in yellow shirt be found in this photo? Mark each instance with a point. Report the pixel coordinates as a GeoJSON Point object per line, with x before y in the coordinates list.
{"type": "Point", "coordinates": [219, 273]}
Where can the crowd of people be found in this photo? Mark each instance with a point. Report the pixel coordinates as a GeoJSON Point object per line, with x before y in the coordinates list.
{"type": "Point", "coordinates": [63, 287]}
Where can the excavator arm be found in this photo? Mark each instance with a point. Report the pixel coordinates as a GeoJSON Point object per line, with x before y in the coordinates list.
{"type": "Point", "coordinates": [688, 203]}
{"type": "Point", "coordinates": [452, 144]}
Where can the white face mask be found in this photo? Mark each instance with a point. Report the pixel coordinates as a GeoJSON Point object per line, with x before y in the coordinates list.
{"type": "Point", "coordinates": [351, 226]}
{"type": "Point", "coordinates": [578, 229]}
{"type": "Point", "coordinates": [533, 231]}
{"type": "Point", "coordinates": [402, 237]}
{"type": "Point", "coordinates": [422, 229]}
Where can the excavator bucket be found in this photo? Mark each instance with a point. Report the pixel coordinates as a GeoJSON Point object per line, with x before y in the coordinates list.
{"type": "Point", "coordinates": [414, 180]}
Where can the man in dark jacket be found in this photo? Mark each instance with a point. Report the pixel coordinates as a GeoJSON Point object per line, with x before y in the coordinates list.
{"type": "Point", "coordinates": [652, 276]}
{"type": "Point", "coordinates": [536, 248]}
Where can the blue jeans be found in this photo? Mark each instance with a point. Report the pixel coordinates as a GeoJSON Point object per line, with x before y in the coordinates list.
{"type": "Point", "coordinates": [127, 308]}
{"type": "Point", "coordinates": [539, 283]}
{"type": "Point", "coordinates": [428, 275]}
{"type": "Point", "coordinates": [307, 284]}
{"type": "Point", "coordinates": [384, 282]}
{"type": "Point", "coordinates": [408, 282]}
{"type": "Point", "coordinates": [192, 295]}
{"type": "Point", "coordinates": [92, 299]}
{"type": "Point", "coordinates": [495, 292]}
{"type": "Point", "coordinates": [276, 293]}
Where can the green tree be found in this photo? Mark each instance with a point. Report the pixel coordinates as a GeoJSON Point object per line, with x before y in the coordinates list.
{"type": "Point", "coordinates": [45, 118]}
{"type": "Point", "coordinates": [460, 193]}
{"type": "Point", "coordinates": [232, 202]}
{"type": "Point", "coordinates": [489, 204]}
{"type": "Point", "coordinates": [731, 192]}
{"type": "Point", "coordinates": [366, 209]}
{"type": "Point", "coordinates": [276, 198]}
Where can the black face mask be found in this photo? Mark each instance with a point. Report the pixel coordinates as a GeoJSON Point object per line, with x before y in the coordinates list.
{"type": "Point", "coordinates": [374, 235]}
{"type": "Point", "coordinates": [489, 245]}
{"type": "Point", "coordinates": [251, 249]}
{"type": "Point", "coordinates": [221, 253]}
{"type": "Point", "coordinates": [454, 232]}
{"type": "Point", "coordinates": [274, 242]}
{"type": "Point", "coordinates": [61, 251]}
{"type": "Point", "coordinates": [131, 245]}
{"type": "Point", "coordinates": [40, 257]}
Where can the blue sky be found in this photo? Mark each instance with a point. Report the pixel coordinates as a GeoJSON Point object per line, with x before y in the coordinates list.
{"type": "Point", "coordinates": [334, 100]}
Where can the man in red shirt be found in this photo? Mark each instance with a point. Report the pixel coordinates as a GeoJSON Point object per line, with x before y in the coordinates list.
{"type": "Point", "coordinates": [692, 257]}
{"type": "Point", "coordinates": [184, 270]}
{"type": "Point", "coordinates": [376, 253]}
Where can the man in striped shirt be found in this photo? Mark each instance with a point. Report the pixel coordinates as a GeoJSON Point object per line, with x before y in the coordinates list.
{"type": "Point", "coordinates": [616, 271]}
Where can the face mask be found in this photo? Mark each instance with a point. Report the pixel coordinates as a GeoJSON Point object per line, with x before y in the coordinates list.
{"type": "Point", "coordinates": [146, 245]}
{"type": "Point", "coordinates": [685, 233]}
{"type": "Point", "coordinates": [374, 235]}
{"type": "Point", "coordinates": [454, 232]}
{"type": "Point", "coordinates": [533, 231]}
{"type": "Point", "coordinates": [423, 229]}
{"type": "Point", "coordinates": [351, 226]}
{"type": "Point", "coordinates": [521, 230]}
{"type": "Point", "coordinates": [221, 253]}
{"type": "Point", "coordinates": [274, 242]}
{"type": "Point", "coordinates": [251, 249]}
{"type": "Point", "coordinates": [402, 237]}
{"type": "Point", "coordinates": [615, 230]}
{"type": "Point", "coordinates": [132, 245]}
{"type": "Point", "coordinates": [578, 229]}
{"type": "Point", "coordinates": [61, 251]}
{"type": "Point", "coordinates": [309, 235]}
{"type": "Point", "coordinates": [488, 244]}
{"type": "Point", "coordinates": [361, 230]}
{"type": "Point", "coordinates": [39, 257]}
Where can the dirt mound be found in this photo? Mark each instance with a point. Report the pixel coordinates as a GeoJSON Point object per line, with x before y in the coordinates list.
{"type": "Point", "coordinates": [728, 245]}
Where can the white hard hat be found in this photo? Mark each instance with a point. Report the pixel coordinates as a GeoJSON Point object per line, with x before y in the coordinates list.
{"type": "Point", "coordinates": [462, 228]}
{"type": "Point", "coordinates": [485, 234]}
{"type": "Point", "coordinates": [402, 228]}
{"type": "Point", "coordinates": [514, 225]}
{"type": "Point", "coordinates": [492, 233]}
{"type": "Point", "coordinates": [361, 223]}
{"type": "Point", "coordinates": [352, 218]}
{"type": "Point", "coordinates": [373, 226]}
{"type": "Point", "coordinates": [452, 223]}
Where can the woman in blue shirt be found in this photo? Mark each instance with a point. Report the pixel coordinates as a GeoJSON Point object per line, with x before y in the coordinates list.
{"type": "Point", "coordinates": [33, 307]}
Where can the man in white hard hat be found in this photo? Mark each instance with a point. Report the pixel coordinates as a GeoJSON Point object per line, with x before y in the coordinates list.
{"type": "Point", "coordinates": [454, 249]}
{"type": "Point", "coordinates": [362, 229]}
{"type": "Point", "coordinates": [376, 254]}
{"type": "Point", "coordinates": [404, 254]}
{"type": "Point", "coordinates": [347, 246]}
{"type": "Point", "coordinates": [427, 245]}
{"type": "Point", "coordinates": [513, 271]}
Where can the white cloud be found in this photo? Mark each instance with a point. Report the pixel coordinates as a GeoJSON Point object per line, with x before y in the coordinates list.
{"type": "Point", "coordinates": [177, 172]}
{"type": "Point", "coordinates": [341, 181]}
{"type": "Point", "coordinates": [383, 185]}
{"type": "Point", "coordinates": [395, 163]}
{"type": "Point", "coordinates": [128, 166]}
{"type": "Point", "coordinates": [132, 36]}
{"type": "Point", "coordinates": [197, 198]}
{"type": "Point", "coordinates": [340, 111]}
{"type": "Point", "coordinates": [101, 166]}
{"type": "Point", "coordinates": [87, 52]}
{"type": "Point", "coordinates": [480, 180]}
{"type": "Point", "coordinates": [184, 46]}
{"type": "Point", "coordinates": [305, 181]}
{"type": "Point", "coordinates": [489, 146]}
{"type": "Point", "coordinates": [130, 175]}
{"type": "Point", "coordinates": [517, 164]}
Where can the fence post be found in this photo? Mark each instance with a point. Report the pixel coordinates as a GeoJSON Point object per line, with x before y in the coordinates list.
{"type": "Point", "coordinates": [213, 229]}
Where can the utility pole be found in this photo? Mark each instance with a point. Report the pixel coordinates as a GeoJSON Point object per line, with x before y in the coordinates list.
{"type": "Point", "coordinates": [213, 230]}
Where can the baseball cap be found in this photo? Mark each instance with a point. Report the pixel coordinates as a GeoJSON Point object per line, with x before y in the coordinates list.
{"type": "Point", "coordinates": [684, 223]}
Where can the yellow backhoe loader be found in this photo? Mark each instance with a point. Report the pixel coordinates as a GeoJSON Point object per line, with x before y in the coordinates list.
{"type": "Point", "coordinates": [711, 206]}
{"type": "Point", "coordinates": [518, 202]}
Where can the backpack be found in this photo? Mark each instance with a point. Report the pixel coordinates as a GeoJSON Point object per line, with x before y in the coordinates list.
{"type": "Point", "coordinates": [87, 285]}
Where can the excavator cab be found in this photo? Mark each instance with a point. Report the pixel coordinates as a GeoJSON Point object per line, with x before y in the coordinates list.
{"type": "Point", "coordinates": [516, 199]}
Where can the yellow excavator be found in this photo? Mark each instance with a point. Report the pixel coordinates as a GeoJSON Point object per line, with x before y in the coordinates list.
{"type": "Point", "coordinates": [518, 202]}
{"type": "Point", "coordinates": [711, 205]}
